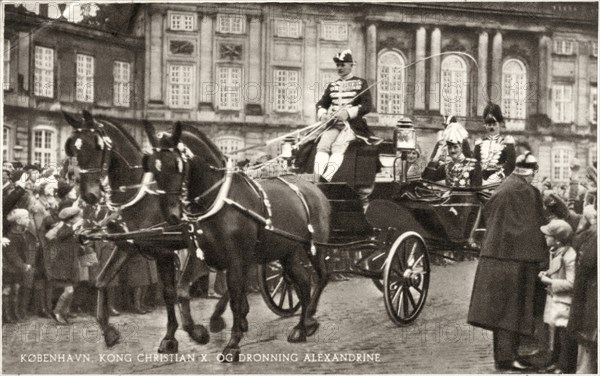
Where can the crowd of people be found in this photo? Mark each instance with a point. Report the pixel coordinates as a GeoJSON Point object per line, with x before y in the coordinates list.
{"type": "Point", "coordinates": [46, 270]}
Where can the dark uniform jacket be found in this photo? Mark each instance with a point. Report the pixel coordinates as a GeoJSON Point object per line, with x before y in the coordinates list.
{"type": "Point", "coordinates": [496, 155]}
{"type": "Point", "coordinates": [14, 255]}
{"type": "Point", "coordinates": [340, 93]}
{"type": "Point", "coordinates": [465, 173]}
{"type": "Point", "coordinates": [507, 294]}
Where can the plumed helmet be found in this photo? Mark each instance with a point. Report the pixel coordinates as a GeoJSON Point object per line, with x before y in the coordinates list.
{"type": "Point", "coordinates": [526, 164]}
{"type": "Point", "coordinates": [17, 215]}
{"type": "Point", "coordinates": [492, 113]}
{"type": "Point", "coordinates": [344, 57]}
{"type": "Point", "coordinates": [454, 133]}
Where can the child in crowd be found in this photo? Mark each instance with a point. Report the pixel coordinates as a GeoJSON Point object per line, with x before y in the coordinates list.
{"type": "Point", "coordinates": [559, 280]}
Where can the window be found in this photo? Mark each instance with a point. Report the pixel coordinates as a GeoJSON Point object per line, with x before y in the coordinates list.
{"type": "Point", "coordinates": [229, 81]}
{"type": "Point", "coordinates": [514, 89]}
{"type": "Point", "coordinates": [595, 49]}
{"type": "Point", "coordinates": [561, 160]}
{"type": "Point", "coordinates": [288, 29]}
{"type": "Point", "coordinates": [43, 79]}
{"type": "Point", "coordinates": [562, 99]}
{"type": "Point", "coordinates": [43, 146]}
{"type": "Point", "coordinates": [6, 75]}
{"type": "Point", "coordinates": [563, 46]}
{"type": "Point", "coordinates": [85, 78]}
{"type": "Point", "coordinates": [5, 144]}
{"type": "Point", "coordinates": [230, 24]}
{"type": "Point", "coordinates": [181, 78]}
{"type": "Point", "coordinates": [287, 90]}
{"type": "Point", "coordinates": [594, 104]}
{"type": "Point", "coordinates": [390, 90]}
{"type": "Point", "coordinates": [335, 31]}
{"type": "Point", "coordinates": [121, 83]}
{"type": "Point", "coordinates": [454, 86]}
{"type": "Point", "coordinates": [181, 21]}
{"type": "Point", "coordinates": [229, 144]}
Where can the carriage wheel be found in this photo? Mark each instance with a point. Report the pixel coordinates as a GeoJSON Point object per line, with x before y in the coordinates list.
{"type": "Point", "coordinates": [406, 278]}
{"type": "Point", "coordinates": [277, 289]}
{"type": "Point", "coordinates": [378, 283]}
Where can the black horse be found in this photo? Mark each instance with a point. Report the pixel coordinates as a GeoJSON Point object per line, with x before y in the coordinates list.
{"type": "Point", "coordinates": [239, 221]}
{"type": "Point", "coordinates": [109, 161]}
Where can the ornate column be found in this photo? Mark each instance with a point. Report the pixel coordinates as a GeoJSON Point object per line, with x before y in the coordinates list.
{"type": "Point", "coordinates": [544, 47]}
{"type": "Point", "coordinates": [496, 84]}
{"type": "Point", "coordinates": [482, 76]}
{"type": "Point", "coordinates": [582, 84]}
{"type": "Point", "coordinates": [419, 89]}
{"type": "Point", "coordinates": [434, 73]}
{"type": "Point", "coordinates": [156, 76]}
{"type": "Point", "coordinates": [207, 87]}
{"type": "Point", "coordinates": [371, 59]}
{"type": "Point", "coordinates": [253, 85]}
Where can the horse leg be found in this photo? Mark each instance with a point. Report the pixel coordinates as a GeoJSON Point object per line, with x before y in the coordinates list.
{"type": "Point", "coordinates": [236, 282]}
{"type": "Point", "coordinates": [294, 269]}
{"type": "Point", "coordinates": [320, 266]}
{"type": "Point", "coordinates": [114, 264]}
{"type": "Point", "coordinates": [216, 320]}
{"type": "Point", "coordinates": [166, 271]}
{"type": "Point", "coordinates": [191, 272]}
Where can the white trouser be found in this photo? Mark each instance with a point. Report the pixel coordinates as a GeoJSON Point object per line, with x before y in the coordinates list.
{"type": "Point", "coordinates": [335, 141]}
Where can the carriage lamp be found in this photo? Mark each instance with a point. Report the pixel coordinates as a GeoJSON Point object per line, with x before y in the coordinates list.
{"type": "Point", "coordinates": [405, 140]}
{"type": "Point", "coordinates": [286, 147]}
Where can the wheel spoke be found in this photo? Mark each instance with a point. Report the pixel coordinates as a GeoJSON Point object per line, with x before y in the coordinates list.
{"type": "Point", "coordinates": [400, 301]}
{"type": "Point", "coordinates": [291, 297]}
{"type": "Point", "coordinates": [411, 299]}
{"type": "Point", "coordinates": [411, 255]}
{"type": "Point", "coordinates": [418, 289]}
{"type": "Point", "coordinates": [273, 277]}
{"type": "Point", "coordinates": [282, 297]}
{"type": "Point", "coordinates": [405, 304]}
{"type": "Point", "coordinates": [277, 288]}
{"type": "Point", "coordinates": [396, 294]}
{"type": "Point", "coordinates": [418, 260]}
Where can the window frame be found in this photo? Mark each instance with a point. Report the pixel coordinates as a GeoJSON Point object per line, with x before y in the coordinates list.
{"type": "Point", "coordinates": [276, 28]}
{"type": "Point", "coordinates": [329, 34]}
{"type": "Point", "coordinates": [511, 104]}
{"type": "Point", "coordinates": [229, 28]}
{"type": "Point", "coordinates": [121, 87]}
{"type": "Point", "coordinates": [227, 93]}
{"type": "Point", "coordinates": [564, 46]}
{"type": "Point", "coordinates": [285, 106]}
{"type": "Point", "coordinates": [228, 138]}
{"type": "Point", "coordinates": [563, 165]}
{"type": "Point", "coordinates": [6, 143]}
{"type": "Point", "coordinates": [380, 90]}
{"type": "Point", "coordinates": [43, 150]}
{"type": "Point", "coordinates": [40, 70]}
{"type": "Point", "coordinates": [191, 84]}
{"type": "Point", "coordinates": [80, 94]}
{"type": "Point", "coordinates": [465, 103]}
{"type": "Point", "coordinates": [593, 104]}
{"type": "Point", "coordinates": [6, 84]}
{"type": "Point", "coordinates": [183, 15]}
{"type": "Point", "coordinates": [568, 115]}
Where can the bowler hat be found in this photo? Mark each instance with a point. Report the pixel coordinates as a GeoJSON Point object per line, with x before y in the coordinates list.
{"type": "Point", "coordinates": [68, 213]}
{"type": "Point", "coordinates": [558, 229]}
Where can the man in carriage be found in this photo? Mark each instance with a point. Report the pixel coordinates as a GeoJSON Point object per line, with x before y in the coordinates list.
{"type": "Point", "coordinates": [458, 171]}
{"type": "Point", "coordinates": [496, 153]}
{"type": "Point", "coordinates": [347, 99]}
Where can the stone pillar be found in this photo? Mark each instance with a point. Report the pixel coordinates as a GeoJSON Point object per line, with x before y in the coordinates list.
{"type": "Point", "coordinates": [207, 87]}
{"type": "Point", "coordinates": [419, 88]}
{"type": "Point", "coordinates": [23, 69]}
{"type": "Point", "coordinates": [156, 58]}
{"type": "Point", "coordinates": [544, 48]}
{"type": "Point", "coordinates": [434, 73]}
{"type": "Point", "coordinates": [371, 60]}
{"type": "Point", "coordinates": [252, 91]}
{"type": "Point", "coordinates": [582, 85]}
{"type": "Point", "coordinates": [482, 76]}
{"type": "Point", "coordinates": [496, 84]}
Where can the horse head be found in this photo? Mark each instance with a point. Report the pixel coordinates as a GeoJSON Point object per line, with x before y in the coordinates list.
{"type": "Point", "coordinates": [168, 163]}
{"type": "Point", "coordinates": [89, 146]}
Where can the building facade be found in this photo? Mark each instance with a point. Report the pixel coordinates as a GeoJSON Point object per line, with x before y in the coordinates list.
{"type": "Point", "coordinates": [245, 73]}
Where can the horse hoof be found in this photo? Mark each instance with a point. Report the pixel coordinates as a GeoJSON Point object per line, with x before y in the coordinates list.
{"type": "Point", "coordinates": [217, 325]}
{"type": "Point", "coordinates": [230, 355]}
{"type": "Point", "coordinates": [168, 346]}
{"type": "Point", "coordinates": [311, 328]}
{"type": "Point", "coordinates": [199, 334]}
{"type": "Point", "coordinates": [297, 336]}
{"type": "Point", "coordinates": [244, 325]}
{"type": "Point", "coordinates": [111, 336]}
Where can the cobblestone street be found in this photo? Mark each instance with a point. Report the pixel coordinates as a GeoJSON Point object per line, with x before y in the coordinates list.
{"type": "Point", "coordinates": [353, 321]}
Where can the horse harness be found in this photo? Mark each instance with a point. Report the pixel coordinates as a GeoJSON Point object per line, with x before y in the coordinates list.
{"type": "Point", "coordinates": [194, 220]}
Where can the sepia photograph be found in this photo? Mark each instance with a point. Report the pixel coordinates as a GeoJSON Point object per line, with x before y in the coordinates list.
{"type": "Point", "coordinates": [195, 187]}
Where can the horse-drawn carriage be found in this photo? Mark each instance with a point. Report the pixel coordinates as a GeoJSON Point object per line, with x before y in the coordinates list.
{"type": "Point", "coordinates": [283, 223]}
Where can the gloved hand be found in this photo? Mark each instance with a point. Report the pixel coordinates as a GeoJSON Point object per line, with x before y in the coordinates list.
{"type": "Point", "coordinates": [342, 115]}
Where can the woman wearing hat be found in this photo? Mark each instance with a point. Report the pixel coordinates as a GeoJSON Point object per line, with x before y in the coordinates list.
{"type": "Point", "coordinates": [15, 269]}
{"type": "Point", "coordinates": [496, 153]}
{"type": "Point", "coordinates": [66, 261]}
{"type": "Point", "coordinates": [506, 298]}
{"type": "Point", "coordinates": [344, 104]}
{"type": "Point", "coordinates": [459, 171]}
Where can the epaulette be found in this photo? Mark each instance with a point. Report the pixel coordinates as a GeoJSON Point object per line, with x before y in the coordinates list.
{"type": "Point", "coordinates": [509, 139]}
{"type": "Point", "coordinates": [478, 141]}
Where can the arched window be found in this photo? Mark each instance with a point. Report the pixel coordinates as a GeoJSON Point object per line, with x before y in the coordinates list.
{"type": "Point", "coordinates": [390, 90]}
{"type": "Point", "coordinates": [514, 90]}
{"type": "Point", "coordinates": [228, 144]}
{"type": "Point", "coordinates": [454, 86]}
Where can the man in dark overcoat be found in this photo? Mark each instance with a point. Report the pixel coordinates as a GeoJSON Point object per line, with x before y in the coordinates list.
{"type": "Point", "coordinates": [506, 298]}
